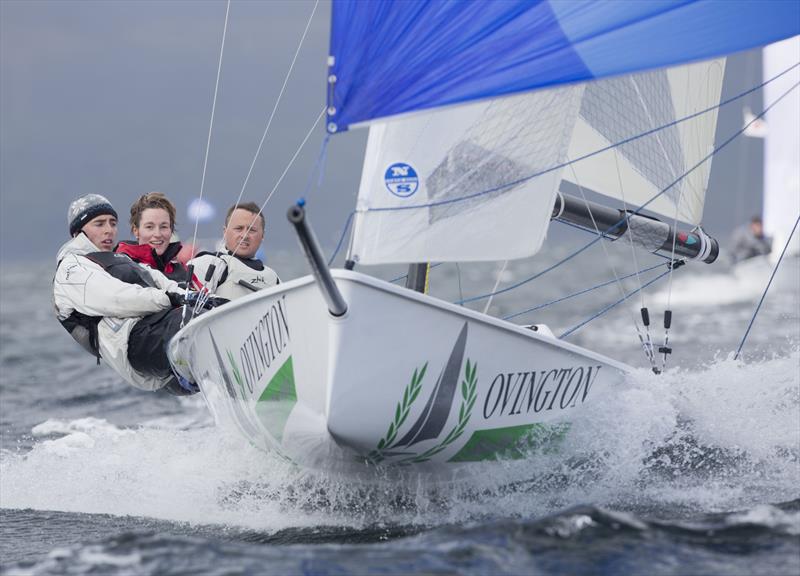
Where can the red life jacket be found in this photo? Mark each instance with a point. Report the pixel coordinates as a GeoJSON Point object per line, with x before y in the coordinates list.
{"type": "Point", "coordinates": [166, 263]}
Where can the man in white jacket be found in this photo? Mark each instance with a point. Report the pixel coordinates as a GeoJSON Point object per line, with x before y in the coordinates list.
{"type": "Point", "coordinates": [237, 272]}
{"type": "Point", "coordinates": [117, 309]}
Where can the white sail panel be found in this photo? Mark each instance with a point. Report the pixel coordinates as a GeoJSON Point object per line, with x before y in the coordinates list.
{"type": "Point", "coordinates": [468, 183]}
{"type": "Point", "coordinates": [782, 145]}
{"type": "Point", "coordinates": [618, 109]}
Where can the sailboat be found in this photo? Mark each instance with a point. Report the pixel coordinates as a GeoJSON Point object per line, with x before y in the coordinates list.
{"type": "Point", "coordinates": [487, 121]}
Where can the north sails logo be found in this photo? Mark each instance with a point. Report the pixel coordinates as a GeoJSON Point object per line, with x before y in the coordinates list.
{"type": "Point", "coordinates": [401, 179]}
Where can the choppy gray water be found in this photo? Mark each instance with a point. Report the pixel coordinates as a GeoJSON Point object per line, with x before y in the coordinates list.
{"type": "Point", "coordinates": [694, 471]}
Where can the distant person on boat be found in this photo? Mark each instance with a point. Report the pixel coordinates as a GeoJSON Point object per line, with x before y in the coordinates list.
{"type": "Point", "coordinates": [236, 271]}
{"type": "Point", "coordinates": [749, 241]}
{"type": "Point", "coordinates": [117, 309]}
{"type": "Point", "coordinates": [153, 225]}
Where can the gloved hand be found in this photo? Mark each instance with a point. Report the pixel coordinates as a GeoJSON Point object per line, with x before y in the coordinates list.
{"type": "Point", "coordinates": [187, 385]}
{"type": "Point", "coordinates": [190, 299]}
{"type": "Point", "coordinates": [176, 299]}
{"type": "Point", "coordinates": [214, 301]}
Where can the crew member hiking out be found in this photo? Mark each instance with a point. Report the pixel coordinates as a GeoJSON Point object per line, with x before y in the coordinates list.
{"type": "Point", "coordinates": [117, 309]}
{"type": "Point", "coordinates": [237, 272]}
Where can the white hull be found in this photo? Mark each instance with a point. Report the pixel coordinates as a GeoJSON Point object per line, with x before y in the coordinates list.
{"type": "Point", "coordinates": [402, 378]}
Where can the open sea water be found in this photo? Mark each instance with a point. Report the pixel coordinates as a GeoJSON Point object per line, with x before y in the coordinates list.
{"type": "Point", "coordinates": [695, 471]}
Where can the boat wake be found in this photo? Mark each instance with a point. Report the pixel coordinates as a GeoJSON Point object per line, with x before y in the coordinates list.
{"type": "Point", "coordinates": [741, 283]}
{"type": "Point", "coordinates": [712, 440]}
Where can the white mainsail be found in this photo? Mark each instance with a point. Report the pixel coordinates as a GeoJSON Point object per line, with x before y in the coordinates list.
{"type": "Point", "coordinates": [782, 145]}
{"type": "Point", "coordinates": [478, 182]}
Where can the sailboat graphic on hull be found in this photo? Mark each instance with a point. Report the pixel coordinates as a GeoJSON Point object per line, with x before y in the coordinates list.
{"type": "Point", "coordinates": [430, 423]}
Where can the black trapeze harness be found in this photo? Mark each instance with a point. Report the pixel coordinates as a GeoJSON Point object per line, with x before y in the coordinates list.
{"type": "Point", "coordinates": [82, 327]}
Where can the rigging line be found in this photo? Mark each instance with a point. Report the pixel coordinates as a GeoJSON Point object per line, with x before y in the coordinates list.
{"type": "Point", "coordinates": [283, 174]}
{"type": "Point", "coordinates": [319, 167]}
{"type": "Point", "coordinates": [667, 310]}
{"type": "Point", "coordinates": [630, 230]}
{"type": "Point", "coordinates": [593, 233]}
{"type": "Point", "coordinates": [585, 156]}
{"type": "Point", "coordinates": [277, 102]}
{"type": "Point", "coordinates": [574, 294]}
{"type": "Point", "coordinates": [647, 344]}
{"type": "Point", "coordinates": [658, 134]}
{"type": "Point", "coordinates": [760, 302]}
{"type": "Point", "coordinates": [341, 237]}
{"type": "Point", "coordinates": [496, 284]}
{"type": "Point", "coordinates": [610, 306]}
{"type": "Point", "coordinates": [208, 145]}
{"type": "Point", "coordinates": [213, 110]}
{"type": "Point", "coordinates": [266, 131]}
{"type": "Point", "coordinates": [458, 272]}
{"type": "Point", "coordinates": [640, 208]}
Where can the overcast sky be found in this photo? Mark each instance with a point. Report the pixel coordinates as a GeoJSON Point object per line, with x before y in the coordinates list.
{"type": "Point", "coordinates": [114, 97]}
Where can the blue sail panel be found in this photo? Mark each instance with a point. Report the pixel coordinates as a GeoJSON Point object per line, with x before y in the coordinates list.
{"type": "Point", "coordinates": [389, 58]}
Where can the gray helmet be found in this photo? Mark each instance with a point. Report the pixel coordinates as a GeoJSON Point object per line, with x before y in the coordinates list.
{"type": "Point", "coordinates": [85, 209]}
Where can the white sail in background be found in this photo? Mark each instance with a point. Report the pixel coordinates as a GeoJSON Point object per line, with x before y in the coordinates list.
{"type": "Point", "coordinates": [782, 145]}
{"type": "Point", "coordinates": [617, 109]}
{"type": "Point", "coordinates": [470, 169]}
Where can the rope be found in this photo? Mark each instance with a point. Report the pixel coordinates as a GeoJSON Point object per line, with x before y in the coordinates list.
{"type": "Point", "coordinates": [574, 294]}
{"type": "Point", "coordinates": [213, 110]}
{"type": "Point", "coordinates": [319, 167]}
{"type": "Point", "coordinates": [277, 102]}
{"type": "Point", "coordinates": [647, 344]}
{"type": "Point", "coordinates": [610, 306]}
{"type": "Point", "coordinates": [640, 208]}
{"type": "Point", "coordinates": [760, 302]}
{"type": "Point", "coordinates": [630, 231]}
{"type": "Point", "coordinates": [282, 176]}
{"type": "Point", "coordinates": [496, 284]}
{"type": "Point", "coordinates": [341, 237]}
{"type": "Point", "coordinates": [208, 146]}
{"type": "Point", "coordinates": [458, 273]}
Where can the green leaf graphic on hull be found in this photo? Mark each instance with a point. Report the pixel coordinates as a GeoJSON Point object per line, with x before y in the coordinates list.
{"type": "Point", "coordinates": [430, 424]}
{"type": "Point", "coordinates": [236, 374]}
{"type": "Point", "coordinates": [400, 414]}
{"type": "Point", "coordinates": [511, 443]}
{"type": "Point", "coordinates": [276, 402]}
{"type": "Point", "coordinates": [468, 396]}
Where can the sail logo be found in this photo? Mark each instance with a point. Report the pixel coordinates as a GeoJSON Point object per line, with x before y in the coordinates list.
{"type": "Point", "coordinates": [401, 179]}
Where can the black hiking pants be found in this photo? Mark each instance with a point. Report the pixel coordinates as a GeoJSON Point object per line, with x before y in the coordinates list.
{"type": "Point", "coordinates": [147, 347]}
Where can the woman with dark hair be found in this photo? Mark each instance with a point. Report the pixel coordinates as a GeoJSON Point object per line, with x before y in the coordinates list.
{"type": "Point", "coordinates": [153, 225]}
